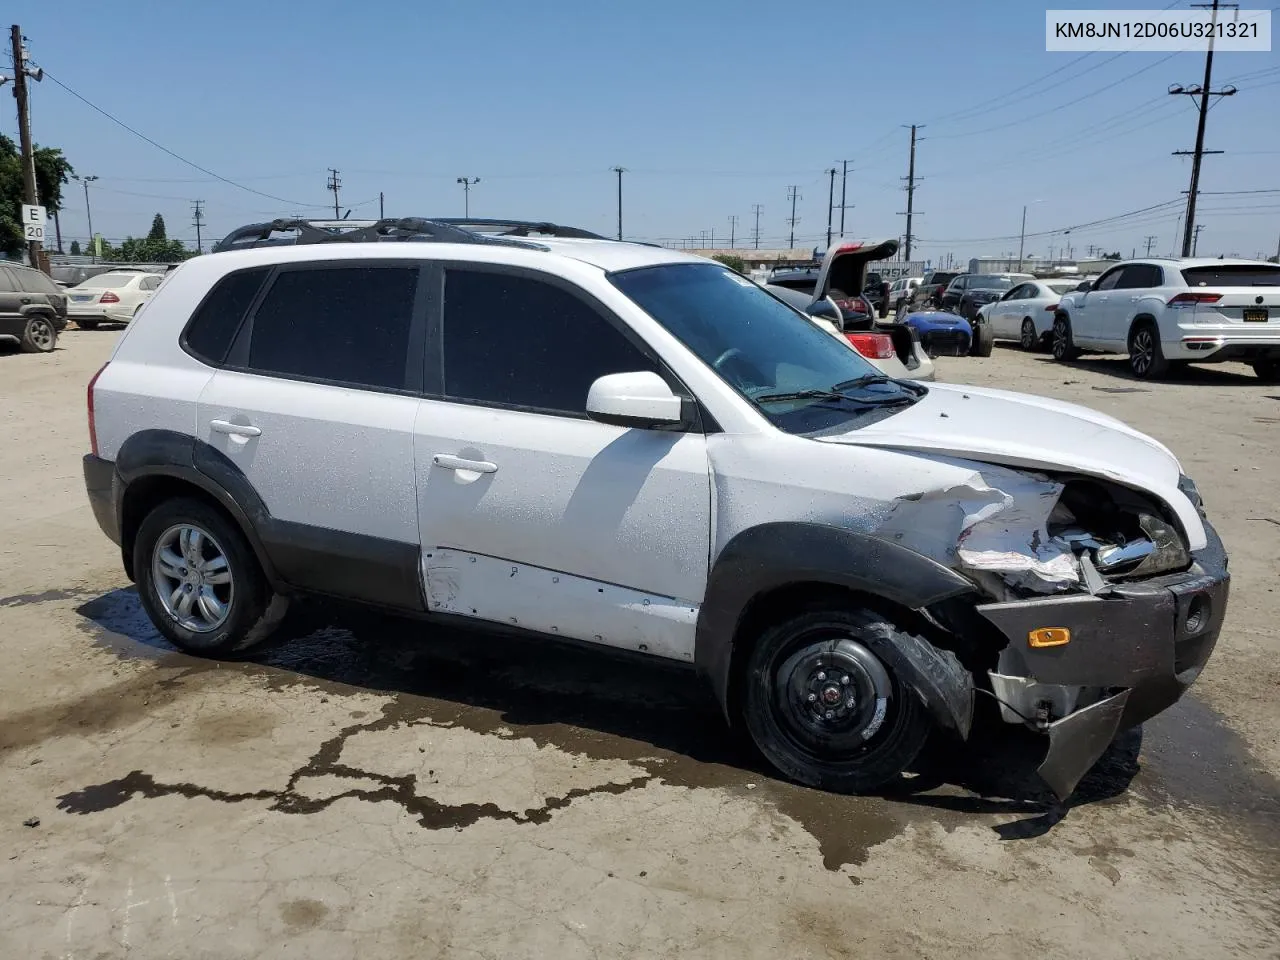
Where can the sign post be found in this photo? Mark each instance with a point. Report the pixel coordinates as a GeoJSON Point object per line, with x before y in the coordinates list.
{"type": "Point", "coordinates": [34, 220]}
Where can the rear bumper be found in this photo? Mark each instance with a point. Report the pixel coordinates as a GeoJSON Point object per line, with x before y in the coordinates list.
{"type": "Point", "coordinates": [99, 484]}
{"type": "Point", "coordinates": [1217, 347]}
{"type": "Point", "coordinates": [1143, 643]}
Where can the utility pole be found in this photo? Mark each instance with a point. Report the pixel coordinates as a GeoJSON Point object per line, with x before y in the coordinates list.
{"type": "Point", "coordinates": [467, 184]}
{"type": "Point", "coordinates": [381, 204]}
{"type": "Point", "coordinates": [793, 194]}
{"type": "Point", "coordinates": [88, 212]}
{"type": "Point", "coordinates": [333, 183]}
{"type": "Point", "coordinates": [831, 199]}
{"type": "Point", "coordinates": [844, 182]}
{"type": "Point", "coordinates": [1204, 92]}
{"type": "Point", "coordinates": [1022, 237]}
{"type": "Point", "coordinates": [755, 234]}
{"type": "Point", "coordinates": [197, 221]}
{"type": "Point", "coordinates": [1151, 239]}
{"type": "Point", "coordinates": [733, 229]}
{"type": "Point", "coordinates": [1195, 239]}
{"type": "Point", "coordinates": [619, 171]}
{"type": "Point", "coordinates": [911, 187]}
{"type": "Point", "coordinates": [20, 74]}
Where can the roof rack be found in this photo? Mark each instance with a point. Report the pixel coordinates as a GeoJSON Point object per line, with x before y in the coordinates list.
{"type": "Point", "coordinates": [439, 230]}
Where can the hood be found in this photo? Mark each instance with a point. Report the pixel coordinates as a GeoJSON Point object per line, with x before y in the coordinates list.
{"type": "Point", "coordinates": [844, 268]}
{"type": "Point", "coordinates": [937, 320]}
{"type": "Point", "coordinates": [1019, 430]}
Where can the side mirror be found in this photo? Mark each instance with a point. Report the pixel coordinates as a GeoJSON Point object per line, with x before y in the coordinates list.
{"type": "Point", "coordinates": [1084, 287]}
{"type": "Point", "coordinates": [825, 309]}
{"type": "Point", "coordinates": [640, 399]}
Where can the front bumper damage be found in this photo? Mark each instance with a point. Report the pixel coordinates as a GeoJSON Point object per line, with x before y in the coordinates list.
{"type": "Point", "coordinates": [1139, 646]}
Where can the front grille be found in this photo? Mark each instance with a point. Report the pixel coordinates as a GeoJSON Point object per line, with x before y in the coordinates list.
{"type": "Point", "coordinates": [945, 343]}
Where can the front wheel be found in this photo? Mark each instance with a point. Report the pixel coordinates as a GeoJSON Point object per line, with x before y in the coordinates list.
{"type": "Point", "coordinates": [199, 580]}
{"type": "Point", "coordinates": [825, 709]}
{"type": "Point", "coordinates": [1064, 347]}
{"type": "Point", "coordinates": [1146, 357]}
{"type": "Point", "coordinates": [1028, 338]}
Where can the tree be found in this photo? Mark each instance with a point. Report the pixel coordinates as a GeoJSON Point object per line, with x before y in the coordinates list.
{"type": "Point", "coordinates": [52, 171]}
{"type": "Point", "coordinates": [157, 228]}
{"type": "Point", "coordinates": [732, 262]}
{"type": "Point", "coordinates": [1112, 256]}
{"type": "Point", "coordinates": [75, 248]}
{"type": "Point", "coordinates": [147, 250]}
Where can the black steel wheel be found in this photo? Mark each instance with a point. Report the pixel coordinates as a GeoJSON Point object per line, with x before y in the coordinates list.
{"type": "Point", "coordinates": [825, 709]}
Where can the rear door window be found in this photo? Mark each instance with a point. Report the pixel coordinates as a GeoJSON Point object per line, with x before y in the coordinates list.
{"type": "Point", "coordinates": [1232, 275]}
{"type": "Point", "coordinates": [213, 326]}
{"type": "Point", "coordinates": [1140, 276]}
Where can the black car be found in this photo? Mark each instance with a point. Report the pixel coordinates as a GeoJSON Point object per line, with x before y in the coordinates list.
{"type": "Point", "coordinates": [967, 292]}
{"type": "Point", "coordinates": [929, 293]}
{"type": "Point", "coordinates": [33, 309]}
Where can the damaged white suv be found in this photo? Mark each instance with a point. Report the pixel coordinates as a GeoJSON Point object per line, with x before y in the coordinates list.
{"type": "Point", "coordinates": [527, 425]}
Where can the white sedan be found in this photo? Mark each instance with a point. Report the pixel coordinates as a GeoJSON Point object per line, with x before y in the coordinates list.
{"type": "Point", "coordinates": [1026, 312]}
{"type": "Point", "coordinates": [110, 297]}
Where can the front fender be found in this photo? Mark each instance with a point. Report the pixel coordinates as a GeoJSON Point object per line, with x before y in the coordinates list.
{"type": "Point", "coordinates": [775, 555]}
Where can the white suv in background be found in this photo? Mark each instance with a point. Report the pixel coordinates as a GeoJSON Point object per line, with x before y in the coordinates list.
{"type": "Point", "coordinates": [1163, 312]}
{"type": "Point", "coordinates": [531, 427]}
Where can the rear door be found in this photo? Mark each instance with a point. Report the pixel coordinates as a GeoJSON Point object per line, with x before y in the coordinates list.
{"type": "Point", "coordinates": [1249, 295]}
{"type": "Point", "coordinates": [315, 408]}
{"type": "Point", "coordinates": [1006, 314]}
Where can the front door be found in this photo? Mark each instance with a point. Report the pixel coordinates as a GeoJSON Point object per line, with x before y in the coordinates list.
{"type": "Point", "coordinates": [1094, 311]}
{"type": "Point", "coordinates": [531, 514]}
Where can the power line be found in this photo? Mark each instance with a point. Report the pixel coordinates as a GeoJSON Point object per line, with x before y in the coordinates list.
{"type": "Point", "coordinates": [1078, 226]}
{"type": "Point", "coordinates": [142, 136]}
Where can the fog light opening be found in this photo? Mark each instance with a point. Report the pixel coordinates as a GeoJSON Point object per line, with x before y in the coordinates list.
{"type": "Point", "coordinates": [1197, 614]}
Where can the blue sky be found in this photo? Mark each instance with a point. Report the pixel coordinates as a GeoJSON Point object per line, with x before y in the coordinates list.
{"type": "Point", "coordinates": [711, 107]}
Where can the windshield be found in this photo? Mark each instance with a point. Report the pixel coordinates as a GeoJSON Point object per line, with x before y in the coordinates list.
{"type": "Point", "coordinates": [801, 378]}
{"type": "Point", "coordinates": [1062, 286]}
{"type": "Point", "coordinates": [107, 281]}
{"type": "Point", "coordinates": [990, 283]}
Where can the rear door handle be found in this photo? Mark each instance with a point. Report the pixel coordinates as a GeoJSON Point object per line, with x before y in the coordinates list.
{"type": "Point", "coordinates": [234, 429]}
{"type": "Point", "coordinates": [457, 463]}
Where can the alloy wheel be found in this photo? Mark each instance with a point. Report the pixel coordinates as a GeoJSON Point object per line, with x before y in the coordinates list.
{"type": "Point", "coordinates": [192, 578]}
{"type": "Point", "coordinates": [1142, 350]}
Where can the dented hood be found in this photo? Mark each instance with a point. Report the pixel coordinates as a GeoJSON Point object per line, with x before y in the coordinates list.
{"type": "Point", "coordinates": [1019, 430]}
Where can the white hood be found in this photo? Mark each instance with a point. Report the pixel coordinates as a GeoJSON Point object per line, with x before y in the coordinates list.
{"type": "Point", "coordinates": [1019, 430]}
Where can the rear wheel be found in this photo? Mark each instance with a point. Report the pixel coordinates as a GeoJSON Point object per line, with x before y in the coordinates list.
{"type": "Point", "coordinates": [87, 324]}
{"type": "Point", "coordinates": [1146, 358]}
{"type": "Point", "coordinates": [38, 336]}
{"type": "Point", "coordinates": [984, 338]}
{"type": "Point", "coordinates": [199, 580]}
{"type": "Point", "coordinates": [825, 709]}
{"type": "Point", "coordinates": [1029, 338]}
{"type": "Point", "coordinates": [1268, 371]}
{"type": "Point", "coordinates": [1064, 347]}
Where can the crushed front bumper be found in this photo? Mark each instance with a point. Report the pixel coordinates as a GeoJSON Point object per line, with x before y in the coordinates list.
{"type": "Point", "coordinates": [1144, 642]}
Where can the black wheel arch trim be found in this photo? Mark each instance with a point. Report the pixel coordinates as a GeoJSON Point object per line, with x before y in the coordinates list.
{"type": "Point", "coordinates": [772, 556]}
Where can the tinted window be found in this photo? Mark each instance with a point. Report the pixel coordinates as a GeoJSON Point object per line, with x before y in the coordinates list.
{"type": "Point", "coordinates": [7, 280]}
{"type": "Point", "coordinates": [345, 324]}
{"type": "Point", "coordinates": [1231, 275]}
{"type": "Point", "coordinates": [33, 281]}
{"type": "Point", "coordinates": [216, 320]}
{"type": "Point", "coordinates": [522, 342]}
{"type": "Point", "coordinates": [1140, 276]}
{"type": "Point", "coordinates": [1109, 280]}
{"type": "Point", "coordinates": [989, 283]}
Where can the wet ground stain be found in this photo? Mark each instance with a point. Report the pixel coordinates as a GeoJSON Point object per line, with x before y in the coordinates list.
{"type": "Point", "coordinates": [654, 715]}
{"type": "Point", "coordinates": [46, 596]}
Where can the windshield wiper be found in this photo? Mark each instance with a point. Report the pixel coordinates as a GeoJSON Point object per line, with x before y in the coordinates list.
{"type": "Point", "coordinates": [863, 381]}
{"type": "Point", "coordinates": [803, 395]}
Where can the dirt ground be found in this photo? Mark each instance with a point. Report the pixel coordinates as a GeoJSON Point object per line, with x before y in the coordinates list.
{"type": "Point", "coordinates": [375, 788]}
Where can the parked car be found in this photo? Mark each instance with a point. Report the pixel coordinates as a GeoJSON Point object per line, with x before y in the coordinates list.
{"type": "Point", "coordinates": [855, 307]}
{"type": "Point", "coordinates": [967, 292]}
{"type": "Point", "coordinates": [901, 290]}
{"type": "Point", "coordinates": [876, 345]}
{"type": "Point", "coordinates": [1026, 312]}
{"type": "Point", "coordinates": [1166, 312]}
{"type": "Point", "coordinates": [942, 333]}
{"type": "Point", "coordinates": [113, 297]}
{"type": "Point", "coordinates": [631, 446]}
{"type": "Point", "coordinates": [33, 310]}
{"type": "Point", "coordinates": [928, 295]}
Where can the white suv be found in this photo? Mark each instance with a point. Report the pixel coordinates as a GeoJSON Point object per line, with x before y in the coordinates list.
{"type": "Point", "coordinates": [1163, 312]}
{"type": "Point", "coordinates": [526, 426]}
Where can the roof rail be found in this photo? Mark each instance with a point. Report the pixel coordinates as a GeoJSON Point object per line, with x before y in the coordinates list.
{"type": "Point", "coordinates": [439, 230]}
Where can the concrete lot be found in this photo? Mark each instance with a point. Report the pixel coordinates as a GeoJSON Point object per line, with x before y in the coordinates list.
{"type": "Point", "coordinates": [374, 788]}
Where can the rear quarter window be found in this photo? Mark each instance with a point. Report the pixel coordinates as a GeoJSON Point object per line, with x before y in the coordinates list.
{"type": "Point", "coordinates": [214, 325]}
{"type": "Point", "coordinates": [1229, 275]}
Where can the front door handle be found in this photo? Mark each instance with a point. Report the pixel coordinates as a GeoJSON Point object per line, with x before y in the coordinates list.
{"type": "Point", "coordinates": [234, 429]}
{"type": "Point", "coordinates": [457, 463]}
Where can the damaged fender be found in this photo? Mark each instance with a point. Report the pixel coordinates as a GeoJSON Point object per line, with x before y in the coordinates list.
{"type": "Point", "coordinates": [775, 555]}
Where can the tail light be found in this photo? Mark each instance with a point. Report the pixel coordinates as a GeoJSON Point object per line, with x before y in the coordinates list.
{"type": "Point", "coordinates": [109, 297]}
{"type": "Point", "coordinates": [1191, 299]}
{"type": "Point", "coordinates": [873, 346]}
{"type": "Point", "coordinates": [1051, 307]}
{"type": "Point", "coordinates": [93, 427]}
{"type": "Point", "coordinates": [854, 305]}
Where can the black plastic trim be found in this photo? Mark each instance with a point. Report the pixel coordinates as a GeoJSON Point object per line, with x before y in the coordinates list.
{"type": "Point", "coordinates": [774, 555]}
{"type": "Point", "coordinates": [99, 482]}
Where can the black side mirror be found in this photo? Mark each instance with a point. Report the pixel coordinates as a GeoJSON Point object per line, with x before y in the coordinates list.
{"type": "Point", "coordinates": [824, 309]}
{"type": "Point", "coordinates": [1084, 287]}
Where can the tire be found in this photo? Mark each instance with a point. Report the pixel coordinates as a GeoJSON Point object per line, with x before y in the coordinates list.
{"type": "Point", "coordinates": [1146, 356]}
{"type": "Point", "coordinates": [39, 336]}
{"type": "Point", "coordinates": [984, 338]}
{"type": "Point", "coordinates": [87, 324]}
{"type": "Point", "coordinates": [1268, 371]}
{"type": "Point", "coordinates": [861, 748]}
{"type": "Point", "coordinates": [1029, 339]}
{"type": "Point", "coordinates": [1064, 345]}
{"type": "Point", "coordinates": [249, 608]}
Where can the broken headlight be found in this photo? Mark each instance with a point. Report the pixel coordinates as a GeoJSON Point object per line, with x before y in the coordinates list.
{"type": "Point", "coordinates": [1117, 532]}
